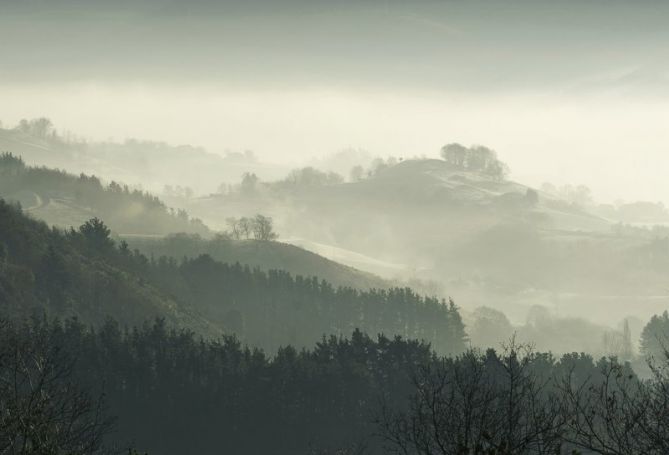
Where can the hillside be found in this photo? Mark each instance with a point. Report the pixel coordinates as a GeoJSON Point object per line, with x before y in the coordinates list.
{"type": "Point", "coordinates": [427, 201]}
{"type": "Point", "coordinates": [484, 239]}
{"type": "Point", "coordinates": [84, 273]}
{"type": "Point", "coordinates": [64, 200]}
{"type": "Point", "coordinates": [81, 274]}
{"type": "Point", "coordinates": [260, 254]}
{"type": "Point", "coordinates": [151, 165]}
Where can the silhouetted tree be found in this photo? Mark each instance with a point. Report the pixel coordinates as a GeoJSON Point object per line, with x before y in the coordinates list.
{"type": "Point", "coordinates": [96, 235]}
{"type": "Point", "coordinates": [249, 185]}
{"type": "Point", "coordinates": [477, 404]}
{"type": "Point", "coordinates": [655, 336]}
{"type": "Point", "coordinates": [531, 197]}
{"type": "Point", "coordinates": [357, 173]}
{"type": "Point", "coordinates": [455, 155]}
{"type": "Point", "coordinates": [42, 409]}
{"type": "Point", "coordinates": [476, 159]}
{"type": "Point", "coordinates": [614, 413]}
{"type": "Point", "coordinates": [263, 228]}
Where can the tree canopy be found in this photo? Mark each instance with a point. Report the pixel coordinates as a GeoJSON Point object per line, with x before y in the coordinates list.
{"type": "Point", "coordinates": [476, 159]}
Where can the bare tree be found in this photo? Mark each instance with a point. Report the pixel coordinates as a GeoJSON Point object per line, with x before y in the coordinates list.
{"type": "Point", "coordinates": [616, 413]}
{"type": "Point", "coordinates": [235, 229]}
{"type": "Point", "coordinates": [478, 404]}
{"type": "Point", "coordinates": [42, 410]}
{"type": "Point", "coordinates": [245, 227]}
{"type": "Point", "coordinates": [263, 228]}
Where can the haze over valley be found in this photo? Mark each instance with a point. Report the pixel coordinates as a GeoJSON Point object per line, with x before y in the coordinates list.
{"type": "Point", "coordinates": [347, 227]}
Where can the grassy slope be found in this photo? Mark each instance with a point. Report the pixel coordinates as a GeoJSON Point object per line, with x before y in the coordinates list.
{"type": "Point", "coordinates": [264, 255]}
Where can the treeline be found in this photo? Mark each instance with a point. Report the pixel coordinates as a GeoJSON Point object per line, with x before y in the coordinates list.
{"type": "Point", "coordinates": [173, 393]}
{"type": "Point", "coordinates": [271, 309]}
{"type": "Point", "coordinates": [128, 210]}
{"type": "Point", "coordinates": [521, 402]}
{"type": "Point", "coordinates": [259, 227]}
{"type": "Point", "coordinates": [305, 178]}
{"type": "Point", "coordinates": [261, 254]}
{"type": "Point", "coordinates": [77, 273]}
{"type": "Point", "coordinates": [475, 158]}
{"type": "Point", "coordinates": [86, 274]}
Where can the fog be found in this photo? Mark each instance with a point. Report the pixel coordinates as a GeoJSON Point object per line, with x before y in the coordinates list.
{"type": "Point", "coordinates": [614, 144]}
{"type": "Point", "coordinates": [353, 227]}
{"type": "Point", "coordinates": [573, 94]}
{"type": "Point", "coordinates": [182, 99]}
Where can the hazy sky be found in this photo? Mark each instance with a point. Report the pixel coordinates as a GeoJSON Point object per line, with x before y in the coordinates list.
{"type": "Point", "coordinates": [568, 91]}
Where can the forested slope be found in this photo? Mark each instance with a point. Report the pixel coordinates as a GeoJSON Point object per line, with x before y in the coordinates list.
{"type": "Point", "coordinates": [65, 200]}
{"type": "Point", "coordinates": [261, 254]}
{"type": "Point", "coordinates": [84, 273]}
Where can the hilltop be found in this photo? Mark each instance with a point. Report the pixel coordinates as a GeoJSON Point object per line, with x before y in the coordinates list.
{"type": "Point", "coordinates": [482, 237]}
{"type": "Point", "coordinates": [427, 201]}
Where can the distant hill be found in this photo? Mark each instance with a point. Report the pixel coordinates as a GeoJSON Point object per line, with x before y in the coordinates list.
{"type": "Point", "coordinates": [405, 212]}
{"type": "Point", "coordinates": [151, 165]}
{"type": "Point", "coordinates": [67, 200]}
{"type": "Point", "coordinates": [484, 239]}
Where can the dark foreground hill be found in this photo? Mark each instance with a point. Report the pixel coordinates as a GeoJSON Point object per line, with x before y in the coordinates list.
{"type": "Point", "coordinates": [175, 394]}
{"type": "Point", "coordinates": [84, 273]}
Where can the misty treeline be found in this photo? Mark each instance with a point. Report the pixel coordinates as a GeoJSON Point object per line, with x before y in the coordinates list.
{"type": "Point", "coordinates": [624, 212]}
{"type": "Point", "coordinates": [154, 165]}
{"type": "Point", "coordinates": [475, 159]}
{"type": "Point", "coordinates": [41, 127]}
{"type": "Point", "coordinates": [169, 391]}
{"type": "Point", "coordinates": [261, 254]}
{"type": "Point", "coordinates": [43, 130]}
{"type": "Point", "coordinates": [128, 210]}
{"type": "Point", "coordinates": [251, 185]}
{"type": "Point", "coordinates": [259, 227]}
{"type": "Point", "coordinates": [84, 272]}
{"type": "Point", "coordinates": [488, 326]}
{"type": "Point", "coordinates": [305, 178]}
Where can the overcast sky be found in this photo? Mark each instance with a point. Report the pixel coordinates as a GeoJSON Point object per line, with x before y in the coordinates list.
{"type": "Point", "coordinates": [568, 91]}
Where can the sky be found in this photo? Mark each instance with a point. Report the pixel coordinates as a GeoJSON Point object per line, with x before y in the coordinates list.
{"type": "Point", "coordinates": [566, 91]}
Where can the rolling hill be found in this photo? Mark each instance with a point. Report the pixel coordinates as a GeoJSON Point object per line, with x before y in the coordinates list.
{"type": "Point", "coordinates": [262, 255]}
{"type": "Point", "coordinates": [83, 273]}
{"type": "Point", "coordinates": [65, 200]}
{"type": "Point", "coordinates": [483, 239]}
{"type": "Point", "coordinates": [148, 164]}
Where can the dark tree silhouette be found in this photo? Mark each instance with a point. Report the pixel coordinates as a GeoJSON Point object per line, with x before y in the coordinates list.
{"type": "Point", "coordinates": [42, 409]}
{"type": "Point", "coordinates": [478, 404]}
